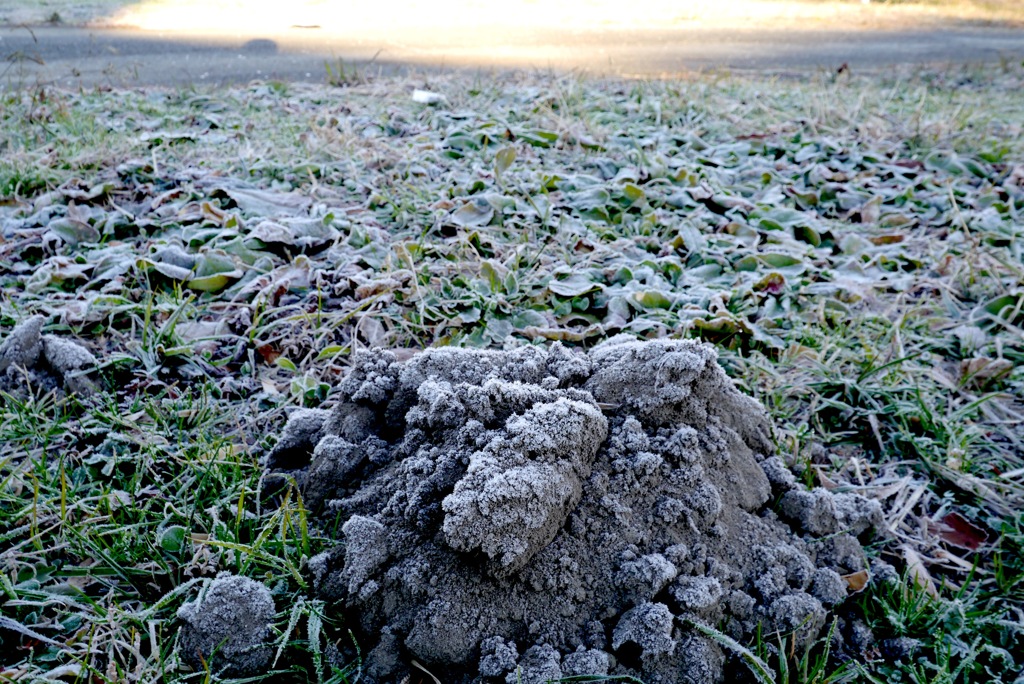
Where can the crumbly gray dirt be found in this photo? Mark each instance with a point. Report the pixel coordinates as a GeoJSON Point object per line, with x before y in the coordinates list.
{"type": "Point", "coordinates": [226, 629]}
{"type": "Point", "coordinates": [30, 360]}
{"type": "Point", "coordinates": [537, 513]}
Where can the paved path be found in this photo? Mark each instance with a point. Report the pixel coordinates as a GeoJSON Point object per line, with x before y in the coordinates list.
{"type": "Point", "coordinates": [126, 57]}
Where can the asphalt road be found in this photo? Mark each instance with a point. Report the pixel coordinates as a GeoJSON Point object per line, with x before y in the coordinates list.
{"type": "Point", "coordinates": [74, 57]}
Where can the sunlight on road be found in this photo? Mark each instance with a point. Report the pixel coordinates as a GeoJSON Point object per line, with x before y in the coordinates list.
{"type": "Point", "coordinates": [452, 18]}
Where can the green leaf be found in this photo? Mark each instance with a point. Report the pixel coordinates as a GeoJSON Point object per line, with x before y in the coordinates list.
{"type": "Point", "coordinates": [214, 270]}
{"type": "Point", "coordinates": [539, 138]}
{"type": "Point", "coordinates": [747, 263]}
{"type": "Point", "coordinates": [503, 159]}
{"type": "Point", "coordinates": [327, 352]}
{"type": "Point", "coordinates": [473, 214]}
{"type": "Point", "coordinates": [172, 538]}
{"type": "Point", "coordinates": [528, 318]}
{"type": "Point", "coordinates": [776, 260]}
{"type": "Point", "coordinates": [652, 299]}
{"type": "Point", "coordinates": [778, 218]}
{"type": "Point", "coordinates": [633, 192]}
{"type": "Point", "coordinates": [1005, 309]}
{"type": "Point", "coordinates": [74, 232]}
{"type": "Point", "coordinates": [471, 315]}
{"type": "Point", "coordinates": [807, 234]}
{"type": "Point", "coordinates": [493, 273]}
{"type": "Point", "coordinates": [575, 285]}
{"type": "Point", "coordinates": [591, 198]}
{"type": "Point", "coordinates": [286, 363]}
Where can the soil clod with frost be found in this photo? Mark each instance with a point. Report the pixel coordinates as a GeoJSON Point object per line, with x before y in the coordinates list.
{"type": "Point", "coordinates": [227, 628]}
{"type": "Point", "coordinates": [537, 513]}
{"type": "Point", "coordinates": [30, 359]}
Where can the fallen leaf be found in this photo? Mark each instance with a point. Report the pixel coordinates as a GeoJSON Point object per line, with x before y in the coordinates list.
{"type": "Point", "coordinates": [886, 239]}
{"type": "Point", "coordinates": [954, 529]}
{"type": "Point", "coordinates": [268, 352]}
{"type": "Point", "coordinates": [856, 581]}
{"type": "Point", "coordinates": [917, 571]}
{"type": "Point", "coordinates": [473, 214]}
{"type": "Point", "coordinates": [257, 202]}
{"type": "Point", "coordinates": [980, 372]}
{"type": "Point", "coordinates": [575, 285]}
{"type": "Point", "coordinates": [773, 283]}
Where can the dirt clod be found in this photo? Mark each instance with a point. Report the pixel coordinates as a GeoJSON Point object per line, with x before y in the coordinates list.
{"type": "Point", "coordinates": [227, 627]}
{"type": "Point", "coordinates": [538, 513]}
{"type": "Point", "coordinates": [29, 359]}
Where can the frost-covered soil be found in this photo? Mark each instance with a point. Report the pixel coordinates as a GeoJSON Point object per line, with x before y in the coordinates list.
{"type": "Point", "coordinates": [852, 247]}
{"type": "Point", "coordinates": [540, 513]}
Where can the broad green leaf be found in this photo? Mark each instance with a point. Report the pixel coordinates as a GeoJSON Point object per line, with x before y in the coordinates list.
{"type": "Point", "coordinates": [652, 299]}
{"type": "Point", "coordinates": [633, 192]}
{"type": "Point", "coordinates": [529, 318]}
{"type": "Point", "coordinates": [214, 270]}
{"type": "Point", "coordinates": [1007, 308]}
{"type": "Point", "coordinates": [503, 159]}
{"type": "Point", "coordinates": [471, 315]}
{"type": "Point", "coordinates": [74, 232]}
{"type": "Point", "coordinates": [286, 363]}
{"type": "Point", "coordinates": [777, 260]}
{"type": "Point", "coordinates": [493, 273]}
{"type": "Point", "coordinates": [172, 538]}
{"type": "Point", "coordinates": [592, 198]}
{"type": "Point", "coordinates": [473, 214]}
{"type": "Point", "coordinates": [573, 286]}
{"type": "Point", "coordinates": [539, 138]}
{"type": "Point", "coordinates": [807, 234]}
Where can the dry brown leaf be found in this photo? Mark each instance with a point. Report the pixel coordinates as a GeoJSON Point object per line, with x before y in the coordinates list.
{"type": "Point", "coordinates": [917, 570]}
{"type": "Point", "coordinates": [824, 480]}
{"type": "Point", "coordinates": [856, 581]}
{"type": "Point", "coordinates": [980, 372]}
{"type": "Point", "coordinates": [268, 352]}
{"type": "Point", "coordinates": [886, 239]}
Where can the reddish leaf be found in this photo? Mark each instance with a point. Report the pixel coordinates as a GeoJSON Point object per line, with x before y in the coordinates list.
{"type": "Point", "coordinates": [774, 283]}
{"type": "Point", "coordinates": [954, 529]}
{"type": "Point", "coordinates": [268, 352]}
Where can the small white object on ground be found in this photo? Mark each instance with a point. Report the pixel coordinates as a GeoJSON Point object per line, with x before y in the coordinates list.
{"type": "Point", "coordinates": [426, 97]}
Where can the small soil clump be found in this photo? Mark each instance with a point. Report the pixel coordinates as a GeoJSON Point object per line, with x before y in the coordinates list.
{"type": "Point", "coordinates": [29, 359]}
{"type": "Point", "coordinates": [532, 514]}
{"type": "Point", "coordinates": [227, 627]}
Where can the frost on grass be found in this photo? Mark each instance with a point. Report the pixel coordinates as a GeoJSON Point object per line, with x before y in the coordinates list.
{"type": "Point", "coordinates": [537, 513]}
{"type": "Point", "coordinates": [31, 360]}
{"type": "Point", "coordinates": [226, 629]}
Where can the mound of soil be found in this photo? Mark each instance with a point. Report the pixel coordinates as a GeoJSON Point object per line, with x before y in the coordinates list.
{"type": "Point", "coordinates": [537, 513]}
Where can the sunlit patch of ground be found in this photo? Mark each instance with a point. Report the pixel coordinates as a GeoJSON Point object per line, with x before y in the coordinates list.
{"type": "Point", "coordinates": [398, 15]}
{"type": "Point", "coordinates": [572, 14]}
{"type": "Point", "coordinates": [390, 15]}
